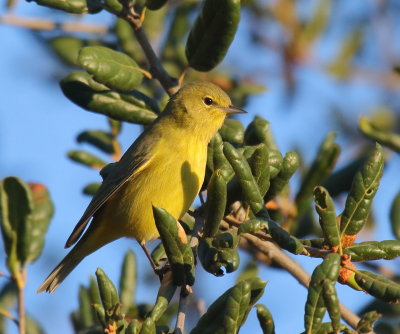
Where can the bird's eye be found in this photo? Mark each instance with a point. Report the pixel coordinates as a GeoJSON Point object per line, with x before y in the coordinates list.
{"type": "Point", "coordinates": [208, 101]}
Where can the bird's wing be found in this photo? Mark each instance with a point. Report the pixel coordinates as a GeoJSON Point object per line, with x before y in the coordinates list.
{"type": "Point", "coordinates": [135, 159]}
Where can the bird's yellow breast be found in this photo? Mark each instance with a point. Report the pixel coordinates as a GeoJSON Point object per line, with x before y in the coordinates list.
{"type": "Point", "coordinates": [170, 181]}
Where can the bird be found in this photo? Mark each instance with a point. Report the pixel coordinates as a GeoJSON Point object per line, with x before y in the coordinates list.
{"type": "Point", "coordinates": [164, 167]}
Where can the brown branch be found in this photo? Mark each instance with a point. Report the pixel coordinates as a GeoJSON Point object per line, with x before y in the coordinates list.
{"type": "Point", "coordinates": [275, 255]}
{"type": "Point", "coordinates": [186, 290]}
{"type": "Point", "coordinates": [170, 84]}
{"type": "Point", "coordinates": [41, 24]}
{"type": "Point", "coordinates": [284, 261]}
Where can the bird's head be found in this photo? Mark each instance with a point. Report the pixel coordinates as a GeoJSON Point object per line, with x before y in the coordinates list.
{"type": "Point", "coordinates": [202, 105]}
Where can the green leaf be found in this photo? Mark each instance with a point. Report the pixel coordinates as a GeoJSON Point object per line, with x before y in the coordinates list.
{"type": "Point", "coordinates": [260, 168]}
{"type": "Point", "coordinates": [179, 254]}
{"type": "Point", "coordinates": [247, 182]}
{"type": "Point", "coordinates": [284, 239]}
{"type": "Point", "coordinates": [148, 327]}
{"type": "Point", "coordinates": [100, 314]}
{"type": "Point", "coordinates": [33, 327]}
{"type": "Point", "coordinates": [363, 189]}
{"type": "Point", "coordinates": [314, 242]}
{"type": "Point", "coordinates": [278, 234]}
{"type": "Point", "coordinates": [275, 161]}
{"type": "Point", "coordinates": [395, 216]}
{"type": "Point", "coordinates": [16, 208]}
{"type": "Point", "coordinates": [43, 210]}
{"type": "Point", "coordinates": [216, 203]}
{"type": "Point", "coordinates": [219, 252]}
{"type": "Point", "coordinates": [314, 27]}
{"type": "Point", "coordinates": [111, 68]}
{"type": "Point", "coordinates": [126, 39]}
{"type": "Point", "coordinates": [253, 226]}
{"type": "Point", "coordinates": [265, 319]}
{"type": "Point", "coordinates": [327, 271]}
{"type": "Point", "coordinates": [94, 291]}
{"type": "Point", "coordinates": [236, 305]}
{"type": "Point", "coordinates": [8, 295]}
{"type": "Point", "coordinates": [67, 48]}
{"type": "Point", "coordinates": [133, 327]}
{"type": "Point", "coordinates": [341, 66]}
{"type": "Point", "coordinates": [332, 303]}
{"type": "Point", "coordinates": [218, 21]}
{"type": "Point", "coordinates": [366, 324]}
{"type": "Point", "coordinates": [378, 286]}
{"type": "Point", "coordinates": [87, 159]}
{"type": "Point", "coordinates": [103, 140]}
{"type": "Point", "coordinates": [133, 107]}
{"type": "Point", "coordinates": [373, 250]}
{"type": "Point", "coordinates": [391, 140]}
{"type": "Point", "coordinates": [164, 296]}
{"type": "Point", "coordinates": [155, 4]}
{"type": "Point", "coordinates": [127, 281]}
{"type": "Point", "coordinates": [327, 216]}
{"type": "Point", "coordinates": [323, 163]}
{"type": "Point", "coordinates": [212, 322]}
{"type": "Point", "coordinates": [232, 131]}
{"type": "Point", "coordinates": [85, 310]}
{"type": "Point", "coordinates": [259, 131]}
{"type": "Point", "coordinates": [290, 163]}
{"type": "Point", "coordinates": [158, 254]}
{"type": "Point", "coordinates": [326, 328]}
{"type": "Point", "coordinates": [113, 6]}
{"type": "Point", "coordinates": [216, 158]}
{"type": "Point", "coordinates": [91, 188]}
{"type": "Point", "coordinates": [72, 6]}
{"type": "Point", "coordinates": [108, 292]}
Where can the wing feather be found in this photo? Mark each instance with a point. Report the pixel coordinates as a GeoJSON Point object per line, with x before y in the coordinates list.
{"type": "Point", "coordinates": [135, 159]}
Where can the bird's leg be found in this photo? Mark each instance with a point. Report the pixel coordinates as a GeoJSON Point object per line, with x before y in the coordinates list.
{"type": "Point", "coordinates": [159, 271]}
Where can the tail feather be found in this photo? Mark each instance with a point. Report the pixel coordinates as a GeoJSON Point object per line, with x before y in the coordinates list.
{"type": "Point", "coordinates": [60, 272]}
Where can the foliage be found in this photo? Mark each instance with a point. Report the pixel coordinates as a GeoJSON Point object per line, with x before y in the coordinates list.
{"type": "Point", "coordinates": [250, 203]}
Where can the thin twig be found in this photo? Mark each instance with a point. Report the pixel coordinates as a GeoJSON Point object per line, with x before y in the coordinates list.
{"type": "Point", "coordinates": [41, 24]}
{"type": "Point", "coordinates": [8, 315]}
{"type": "Point", "coordinates": [170, 84]}
{"type": "Point", "coordinates": [186, 290]}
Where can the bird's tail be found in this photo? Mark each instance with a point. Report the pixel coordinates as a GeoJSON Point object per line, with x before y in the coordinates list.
{"type": "Point", "coordinates": [61, 271]}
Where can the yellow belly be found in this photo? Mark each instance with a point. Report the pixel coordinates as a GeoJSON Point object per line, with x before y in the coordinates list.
{"type": "Point", "coordinates": [171, 184]}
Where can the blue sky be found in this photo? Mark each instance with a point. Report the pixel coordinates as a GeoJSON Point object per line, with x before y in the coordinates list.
{"type": "Point", "coordinates": [38, 125]}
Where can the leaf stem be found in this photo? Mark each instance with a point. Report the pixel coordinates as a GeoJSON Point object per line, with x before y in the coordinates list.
{"type": "Point", "coordinates": [20, 280]}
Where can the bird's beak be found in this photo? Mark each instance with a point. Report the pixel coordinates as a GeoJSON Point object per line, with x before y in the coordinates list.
{"type": "Point", "coordinates": [233, 110]}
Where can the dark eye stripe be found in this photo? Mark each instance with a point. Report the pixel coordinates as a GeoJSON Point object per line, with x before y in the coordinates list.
{"type": "Point", "coordinates": [208, 101]}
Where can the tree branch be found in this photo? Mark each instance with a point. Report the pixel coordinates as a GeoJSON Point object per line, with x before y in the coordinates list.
{"type": "Point", "coordinates": [186, 290]}
{"type": "Point", "coordinates": [276, 255]}
{"type": "Point", "coordinates": [171, 85]}
{"type": "Point", "coordinates": [291, 266]}
{"type": "Point", "coordinates": [41, 24]}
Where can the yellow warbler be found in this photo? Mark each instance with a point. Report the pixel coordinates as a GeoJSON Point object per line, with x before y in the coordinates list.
{"type": "Point", "coordinates": [164, 167]}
